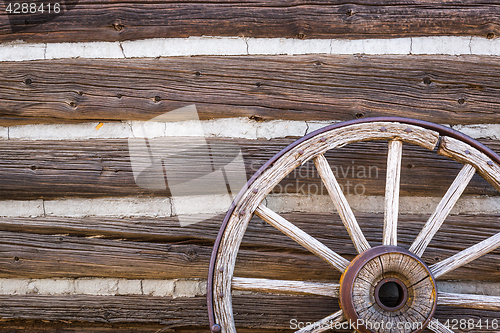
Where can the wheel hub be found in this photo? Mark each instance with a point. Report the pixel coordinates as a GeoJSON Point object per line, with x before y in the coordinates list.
{"type": "Point", "coordinates": [388, 288]}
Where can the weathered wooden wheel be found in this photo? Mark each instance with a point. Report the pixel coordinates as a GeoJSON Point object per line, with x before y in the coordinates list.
{"type": "Point", "coordinates": [374, 269]}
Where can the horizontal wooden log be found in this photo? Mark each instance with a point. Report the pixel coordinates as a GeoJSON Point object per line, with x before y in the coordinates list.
{"type": "Point", "coordinates": [97, 168]}
{"type": "Point", "coordinates": [34, 255]}
{"type": "Point", "coordinates": [441, 89]}
{"type": "Point", "coordinates": [160, 248]}
{"type": "Point", "coordinates": [86, 20]}
{"type": "Point", "coordinates": [267, 313]}
{"type": "Point", "coordinates": [255, 311]}
{"type": "Point", "coordinates": [45, 326]}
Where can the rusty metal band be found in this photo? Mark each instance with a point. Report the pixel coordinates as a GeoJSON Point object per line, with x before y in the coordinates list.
{"type": "Point", "coordinates": [442, 130]}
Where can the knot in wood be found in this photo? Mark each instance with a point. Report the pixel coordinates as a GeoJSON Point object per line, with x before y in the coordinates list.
{"type": "Point", "coordinates": [388, 289]}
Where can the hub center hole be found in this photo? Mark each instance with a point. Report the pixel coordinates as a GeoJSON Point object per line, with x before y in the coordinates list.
{"type": "Point", "coordinates": [391, 294]}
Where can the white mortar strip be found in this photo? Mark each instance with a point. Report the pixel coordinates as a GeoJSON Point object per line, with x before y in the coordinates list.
{"type": "Point", "coordinates": [104, 287]}
{"type": "Point", "coordinates": [375, 204]}
{"type": "Point", "coordinates": [192, 46]}
{"type": "Point", "coordinates": [224, 127]}
{"type": "Point", "coordinates": [211, 205]}
{"type": "Point", "coordinates": [171, 288]}
{"type": "Point", "coordinates": [243, 128]}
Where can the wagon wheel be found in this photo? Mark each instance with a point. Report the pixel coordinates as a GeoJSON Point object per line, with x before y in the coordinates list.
{"type": "Point", "coordinates": [374, 268]}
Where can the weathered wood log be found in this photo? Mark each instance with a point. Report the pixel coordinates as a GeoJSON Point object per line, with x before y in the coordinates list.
{"type": "Point", "coordinates": [30, 256]}
{"type": "Point", "coordinates": [126, 314]}
{"type": "Point", "coordinates": [95, 168]}
{"type": "Point", "coordinates": [147, 247]}
{"type": "Point", "coordinates": [86, 20]}
{"type": "Point", "coordinates": [257, 311]}
{"type": "Point", "coordinates": [39, 326]}
{"type": "Point", "coordinates": [441, 89]}
{"type": "Point", "coordinates": [323, 324]}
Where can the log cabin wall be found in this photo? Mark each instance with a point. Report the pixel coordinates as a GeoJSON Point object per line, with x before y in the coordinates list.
{"type": "Point", "coordinates": [83, 248]}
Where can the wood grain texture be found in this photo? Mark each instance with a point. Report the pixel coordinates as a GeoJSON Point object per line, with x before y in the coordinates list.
{"type": "Point", "coordinates": [443, 209]}
{"type": "Point", "coordinates": [393, 176]}
{"type": "Point", "coordinates": [302, 238]}
{"type": "Point", "coordinates": [39, 326]}
{"type": "Point", "coordinates": [67, 326]}
{"type": "Point", "coordinates": [30, 256]}
{"type": "Point", "coordinates": [483, 302]}
{"type": "Point", "coordinates": [324, 324]}
{"type": "Point", "coordinates": [340, 202]}
{"type": "Point", "coordinates": [464, 153]}
{"type": "Point", "coordinates": [257, 311]}
{"type": "Point", "coordinates": [86, 20]}
{"type": "Point", "coordinates": [98, 168]}
{"type": "Point", "coordinates": [286, 287]}
{"type": "Point", "coordinates": [466, 256]}
{"type": "Point", "coordinates": [440, 89]}
{"type": "Point", "coordinates": [160, 248]}
{"type": "Point", "coordinates": [438, 327]}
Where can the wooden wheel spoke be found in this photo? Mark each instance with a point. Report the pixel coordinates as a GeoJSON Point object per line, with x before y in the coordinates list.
{"type": "Point", "coordinates": [301, 237]}
{"type": "Point", "coordinates": [443, 209]}
{"type": "Point", "coordinates": [341, 204]}
{"type": "Point", "coordinates": [324, 324]}
{"type": "Point", "coordinates": [465, 256]}
{"type": "Point", "coordinates": [437, 327]}
{"type": "Point", "coordinates": [286, 287]}
{"type": "Point", "coordinates": [481, 302]}
{"type": "Point", "coordinates": [392, 192]}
